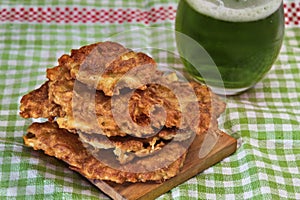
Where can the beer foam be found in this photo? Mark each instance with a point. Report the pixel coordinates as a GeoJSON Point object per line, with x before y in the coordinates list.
{"type": "Point", "coordinates": [236, 10]}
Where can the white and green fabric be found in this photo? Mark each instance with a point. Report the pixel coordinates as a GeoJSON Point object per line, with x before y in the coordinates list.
{"type": "Point", "coordinates": [266, 119]}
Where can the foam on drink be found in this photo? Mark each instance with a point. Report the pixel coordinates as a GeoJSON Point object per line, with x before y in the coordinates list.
{"type": "Point", "coordinates": [236, 10]}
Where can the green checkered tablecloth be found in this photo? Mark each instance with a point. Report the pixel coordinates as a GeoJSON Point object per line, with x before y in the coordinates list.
{"type": "Point", "coordinates": [266, 119]}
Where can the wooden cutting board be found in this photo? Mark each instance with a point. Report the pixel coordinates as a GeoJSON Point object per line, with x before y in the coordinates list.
{"type": "Point", "coordinates": [225, 145]}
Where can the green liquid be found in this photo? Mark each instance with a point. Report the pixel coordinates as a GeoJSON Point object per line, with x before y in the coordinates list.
{"type": "Point", "coordinates": [243, 51]}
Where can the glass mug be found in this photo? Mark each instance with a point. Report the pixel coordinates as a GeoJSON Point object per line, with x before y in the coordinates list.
{"type": "Point", "coordinates": [242, 37]}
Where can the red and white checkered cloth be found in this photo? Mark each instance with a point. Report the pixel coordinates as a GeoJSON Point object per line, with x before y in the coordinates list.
{"type": "Point", "coordinates": [109, 15]}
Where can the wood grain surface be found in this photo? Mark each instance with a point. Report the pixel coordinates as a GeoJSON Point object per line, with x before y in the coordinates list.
{"type": "Point", "coordinates": [224, 146]}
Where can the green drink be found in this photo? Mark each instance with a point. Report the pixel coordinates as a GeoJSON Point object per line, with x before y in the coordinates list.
{"type": "Point", "coordinates": [242, 37]}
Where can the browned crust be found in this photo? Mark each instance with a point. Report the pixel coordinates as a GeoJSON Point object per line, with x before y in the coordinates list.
{"type": "Point", "coordinates": [127, 148]}
{"type": "Point", "coordinates": [101, 65]}
{"type": "Point", "coordinates": [36, 104]}
{"type": "Point", "coordinates": [116, 60]}
{"type": "Point", "coordinates": [140, 107]}
{"type": "Point", "coordinates": [67, 147]}
{"type": "Point", "coordinates": [56, 100]}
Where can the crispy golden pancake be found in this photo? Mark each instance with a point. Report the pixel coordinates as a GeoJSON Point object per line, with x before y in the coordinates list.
{"type": "Point", "coordinates": [86, 110]}
{"type": "Point", "coordinates": [36, 104]}
{"type": "Point", "coordinates": [87, 116]}
{"type": "Point", "coordinates": [127, 148]}
{"type": "Point", "coordinates": [102, 64]}
{"type": "Point", "coordinates": [166, 102]}
{"type": "Point", "coordinates": [194, 99]}
{"type": "Point", "coordinates": [92, 111]}
{"type": "Point", "coordinates": [80, 108]}
{"type": "Point", "coordinates": [67, 147]}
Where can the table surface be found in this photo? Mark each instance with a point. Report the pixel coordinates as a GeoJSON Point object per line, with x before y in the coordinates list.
{"type": "Point", "coordinates": [266, 119]}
